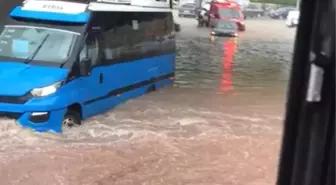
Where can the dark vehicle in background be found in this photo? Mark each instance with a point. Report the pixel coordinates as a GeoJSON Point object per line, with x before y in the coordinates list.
{"type": "Point", "coordinates": [252, 11]}
{"type": "Point", "coordinates": [281, 13]}
{"type": "Point", "coordinates": [187, 10]}
{"type": "Point", "coordinates": [225, 28]}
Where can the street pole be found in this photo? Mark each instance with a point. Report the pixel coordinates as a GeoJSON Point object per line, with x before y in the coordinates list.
{"type": "Point", "coordinates": [298, 2]}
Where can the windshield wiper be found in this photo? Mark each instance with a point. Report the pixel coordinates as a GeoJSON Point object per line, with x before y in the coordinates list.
{"type": "Point", "coordinates": [31, 57]}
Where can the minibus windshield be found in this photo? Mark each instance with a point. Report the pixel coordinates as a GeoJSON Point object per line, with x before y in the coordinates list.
{"type": "Point", "coordinates": [37, 43]}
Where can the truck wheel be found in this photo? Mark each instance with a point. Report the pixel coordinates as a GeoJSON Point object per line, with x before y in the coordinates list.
{"type": "Point", "coordinates": [207, 24]}
{"type": "Point", "coordinates": [71, 119]}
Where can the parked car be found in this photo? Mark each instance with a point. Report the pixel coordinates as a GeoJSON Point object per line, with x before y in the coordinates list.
{"type": "Point", "coordinates": [253, 10]}
{"type": "Point", "coordinates": [187, 10]}
{"type": "Point", "coordinates": [281, 13]}
{"type": "Point", "coordinates": [293, 18]}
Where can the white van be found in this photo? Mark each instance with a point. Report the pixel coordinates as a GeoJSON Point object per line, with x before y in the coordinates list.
{"type": "Point", "coordinates": [293, 18]}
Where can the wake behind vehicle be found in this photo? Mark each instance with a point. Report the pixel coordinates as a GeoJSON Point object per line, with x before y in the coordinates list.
{"type": "Point", "coordinates": [226, 11]}
{"type": "Point", "coordinates": [225, 28]}
{"type": "Point", "coordinates": [62, 62]}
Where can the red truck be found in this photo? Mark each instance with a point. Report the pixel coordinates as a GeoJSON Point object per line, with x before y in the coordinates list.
{"type": "Point", "coordinates": [226, 11]}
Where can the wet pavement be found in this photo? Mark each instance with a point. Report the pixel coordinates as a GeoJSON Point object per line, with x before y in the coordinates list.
{"type": "Point", "coordinates": [220, 123]}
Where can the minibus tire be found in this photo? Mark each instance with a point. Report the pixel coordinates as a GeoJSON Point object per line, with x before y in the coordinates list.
{"type": "Point", "coordinates": [151, 88]}
{"type": "Point", "coordinates": [71, 119]}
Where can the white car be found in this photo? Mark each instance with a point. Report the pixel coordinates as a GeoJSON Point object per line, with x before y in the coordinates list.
{"type": "Point", "coordinates": [293, 18]}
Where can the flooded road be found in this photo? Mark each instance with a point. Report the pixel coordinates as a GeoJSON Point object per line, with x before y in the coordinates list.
{"type": "Point", "coordinates": [220, 123]}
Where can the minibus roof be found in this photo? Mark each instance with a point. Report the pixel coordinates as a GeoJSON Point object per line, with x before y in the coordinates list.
{"type": "Point", "coordinates": [81, 6]}
{"type": "Point", "coordinates": [79, 12]}
{"type": "Point", "coordinates": [107, 7]}
{"type": "Point", "coordinates": [58, 11]}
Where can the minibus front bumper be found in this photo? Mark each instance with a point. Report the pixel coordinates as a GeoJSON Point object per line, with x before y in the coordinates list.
{"type": "Point", "coordinates": [40, 115]}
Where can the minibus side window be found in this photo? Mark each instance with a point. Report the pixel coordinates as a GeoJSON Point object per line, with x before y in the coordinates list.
{"type": "Point", "coordinates": [108, 38]}
{"type": "Point", "coordinates": [147, 31]}
{"type": "Point", "coordinates": [90, 50]}
{"type": "Point", "coordinates": [170, 24]}
{"type": "Point", "coordinates": [130, 36]}
{"type": "Point", "coordinates": [124, 30]}
{"type": "Point", "coordinates": [117, 37]}
{"type": "Point", "coordinates": [160, 24]}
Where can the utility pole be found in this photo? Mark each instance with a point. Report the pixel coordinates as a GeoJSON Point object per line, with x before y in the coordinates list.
{"type": "Point", "coordinates": [298, 2]}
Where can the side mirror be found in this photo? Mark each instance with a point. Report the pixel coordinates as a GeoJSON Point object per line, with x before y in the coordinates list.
{"type": "Point", "coordinates": [177, 27]}
{"type": "Point", "coordinates": [85, 67]}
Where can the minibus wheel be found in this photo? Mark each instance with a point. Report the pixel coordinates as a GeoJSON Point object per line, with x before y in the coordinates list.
{"type": "Point", "coordinates": [71, 119]}
{"type": "Point", "coordinates": [151, 88]}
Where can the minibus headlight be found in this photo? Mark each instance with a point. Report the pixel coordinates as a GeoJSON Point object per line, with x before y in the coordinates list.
{"type": "Point", "coordinates": [45, 91]}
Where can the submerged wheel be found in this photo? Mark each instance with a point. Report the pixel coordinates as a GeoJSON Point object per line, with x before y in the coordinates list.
{"type": "Point", "coordinates": [71, 119]}
{"type": "Point", "coordinates": [151, 88]}
{"type": "Point", "coordinates": [207, 24]}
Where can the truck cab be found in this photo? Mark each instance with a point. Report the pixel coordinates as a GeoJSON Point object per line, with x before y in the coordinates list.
{"type": "Point", "coordinates": [226, 11]}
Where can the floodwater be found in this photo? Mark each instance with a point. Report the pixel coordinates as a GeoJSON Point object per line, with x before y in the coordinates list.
{"type": "Point", "coordinates": [220, 123]}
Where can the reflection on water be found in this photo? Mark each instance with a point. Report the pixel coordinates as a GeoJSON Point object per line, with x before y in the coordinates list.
{"type": "Point", "coordinates": [246, 65]}
{"type": "Point", "coordinates": [229, 48]}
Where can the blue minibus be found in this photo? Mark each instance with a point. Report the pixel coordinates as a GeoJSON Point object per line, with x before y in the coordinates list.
{"type": "Point", "coordinates": [62, 62]}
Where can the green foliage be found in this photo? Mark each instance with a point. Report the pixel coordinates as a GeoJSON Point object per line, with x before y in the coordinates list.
{"type": "Point", "coordinates": [281, 2]}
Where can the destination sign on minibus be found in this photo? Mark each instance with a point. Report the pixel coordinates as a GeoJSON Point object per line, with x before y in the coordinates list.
{"type": "Point", "coordinates": [55, 6]}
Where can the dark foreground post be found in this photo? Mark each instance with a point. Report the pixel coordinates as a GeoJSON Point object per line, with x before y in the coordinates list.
{"type": "Point", "coordinates": [308, 146]}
